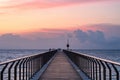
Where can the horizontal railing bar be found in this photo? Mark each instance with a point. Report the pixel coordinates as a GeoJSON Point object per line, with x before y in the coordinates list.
{"type": "Point", "coordinates": [105, 60]}
{"type": "Point", "coordinates": [9, 61]}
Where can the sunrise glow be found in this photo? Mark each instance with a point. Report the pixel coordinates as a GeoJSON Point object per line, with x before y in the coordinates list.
{"type": "Point", "coordinates": [36, 19]}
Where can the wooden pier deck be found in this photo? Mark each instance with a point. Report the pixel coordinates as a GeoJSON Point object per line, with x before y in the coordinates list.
{"type": "Point", "coordinates": [60, 69]}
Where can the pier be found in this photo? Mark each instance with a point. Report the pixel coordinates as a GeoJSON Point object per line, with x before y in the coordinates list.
{"type": "Point", "coordinates": [59, 65]}
{"type": "Point", "coordinates": [60, 69]}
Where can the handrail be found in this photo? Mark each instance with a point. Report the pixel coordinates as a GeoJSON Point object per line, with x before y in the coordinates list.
{"type": "Point", "coordinates": [24, 68]}
{"type": "Point", "coordinates": [95, 68]}
{"type": "Point", "coordinates": [105, 60]}
{"type": "Point", "coordinates": [1, 63]}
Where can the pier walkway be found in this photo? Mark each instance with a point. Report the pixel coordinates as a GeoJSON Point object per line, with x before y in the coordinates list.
{"type": "Point", "coordinates": [60, 69]}
{"type": "Point", "coordinates": [59, 65]}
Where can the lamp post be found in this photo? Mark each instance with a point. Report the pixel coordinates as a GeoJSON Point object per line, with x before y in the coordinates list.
{"type": "Point", "coordinates": [68, 45]}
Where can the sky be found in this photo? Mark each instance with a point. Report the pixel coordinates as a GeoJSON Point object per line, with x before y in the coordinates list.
{"type": "Point", "coordinates": [38, 24]}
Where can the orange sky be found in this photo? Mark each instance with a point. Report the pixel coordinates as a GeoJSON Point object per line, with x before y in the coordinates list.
{"type": "Point", "coordinates": [34, 15]}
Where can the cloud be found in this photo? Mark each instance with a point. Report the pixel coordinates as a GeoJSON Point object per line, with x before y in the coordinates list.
{"type": "Point", "coordinates": [2, 13]}
{"type": "Point", "coordinates": [97, 40]}
{"type": "Point", "coordinates": [32, 4]}
{"type": "Point", "coordinates": [47, 33]}
{"type": "Point", "coordinates": [54, 30]}
{"type": "Point", "coordinates": [12, 41]}
{"type": "Point", "coordinates": [57, 38]}
{"type": "Point", "coordinates": [82, 36]}
{"type": "Point", "coordinates": [90, 36]}
{"type": "Point", "coordinates": [110, 30]}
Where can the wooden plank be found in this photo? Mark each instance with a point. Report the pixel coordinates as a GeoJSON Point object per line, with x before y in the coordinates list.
{"type": "Point", "coordinates": [60, 69]}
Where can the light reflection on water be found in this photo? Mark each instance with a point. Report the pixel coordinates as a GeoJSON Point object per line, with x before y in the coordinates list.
{"type": "Point", "coordinates": [113, 55]}
{"type": "Point", "coordinates": [10, 54]}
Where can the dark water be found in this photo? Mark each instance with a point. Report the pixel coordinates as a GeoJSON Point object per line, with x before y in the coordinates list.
{"type": "Point", "coordinates": [8, 54]}
{"type": "Point", "coordinates": [113, 55]}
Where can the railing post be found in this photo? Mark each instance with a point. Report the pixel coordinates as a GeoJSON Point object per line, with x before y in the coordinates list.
{"type": "Point", "coordinates": [24, 69]}
{"type": "Point", "coordinates": [110, 71]}
{"type": "Point", "coordinates": [117, 72]}
{"type": "Point", "coordinates": [89, 66]}
{"type": "Point", "coordinates": [20, 66]}
{"type": "Point", "coordinates": [93, 69]}
{"type": "Point", "coordinates": [15, 70]}
{"type": "Point", "coordinates": [104, 70]}
{"type": "Point", "coordinates": [27, 68]}
{"type": "Point", "coordinates": [9, 71]}
{"type": "Point", "coordinates": [99, 69]}
{"type": "Point", "coordinates": [1, 74]}
{"type": "Point", "coordinates": [96, 69]}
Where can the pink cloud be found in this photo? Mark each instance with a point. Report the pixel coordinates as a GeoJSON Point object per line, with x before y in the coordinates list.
{"type": "Point", "coordinates": [2, 13]}
{"type": "Point", "coordinates": [33, 4]}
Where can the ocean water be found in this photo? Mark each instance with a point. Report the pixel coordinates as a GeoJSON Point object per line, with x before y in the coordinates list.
{"type": "Point", "coordinates": [9, 54]}
{"type": "Point", "coordinates": [113, 55]}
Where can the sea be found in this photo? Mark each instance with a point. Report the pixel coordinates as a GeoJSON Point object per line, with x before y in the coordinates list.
{"type": "Point", "coordinates": [9, 54]}
{"type": "Point", "coordinates": [109, 54]}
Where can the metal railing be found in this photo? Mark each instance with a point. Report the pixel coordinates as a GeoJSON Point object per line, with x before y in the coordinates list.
{"type": "Point", "coordinates": [24, 68]}
{"type": "Point", "coordinates": [95, 68]}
